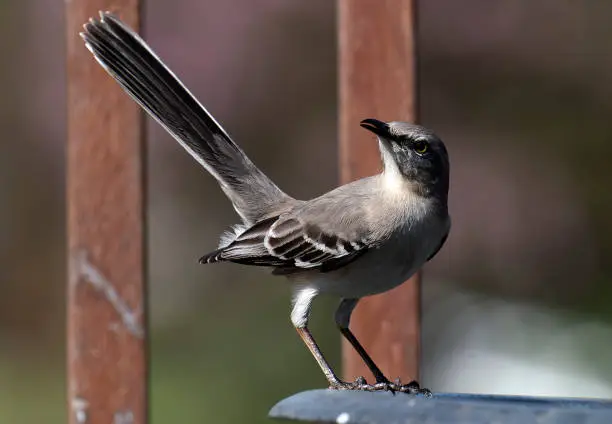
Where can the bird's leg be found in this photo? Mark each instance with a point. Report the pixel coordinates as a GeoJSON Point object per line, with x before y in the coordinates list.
{"type": "Point", "coordinates": [343, 318]}
{"type": "Point", "coordinates": [316, 352]}
{"type": "Point", "coordinates": [334, 382]}
{"type": "Point", "coordinates": [299, 317]}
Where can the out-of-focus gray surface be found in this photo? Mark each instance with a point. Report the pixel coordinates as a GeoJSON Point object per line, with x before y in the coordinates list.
{"type": "Point", "coordinates": [343, 407]}
{"type": "Point", "coordinates": [518, 89]}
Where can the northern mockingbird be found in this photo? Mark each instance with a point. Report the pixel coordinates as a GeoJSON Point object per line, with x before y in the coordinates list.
{"type": "Point", "coordinates": [362, 238]}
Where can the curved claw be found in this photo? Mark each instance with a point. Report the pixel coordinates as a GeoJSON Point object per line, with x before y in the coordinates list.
{"type": "Point", "coordinates": [427, 393]}
{"type": "Point", "coordinates": [413, 388]}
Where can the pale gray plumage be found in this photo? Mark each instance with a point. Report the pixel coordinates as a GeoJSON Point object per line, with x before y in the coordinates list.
{"type": "Point", "coordinates": [359, 239]}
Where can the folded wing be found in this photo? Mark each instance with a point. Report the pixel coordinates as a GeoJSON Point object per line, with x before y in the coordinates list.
{"type": "Point", "coordinates": [290, 244]}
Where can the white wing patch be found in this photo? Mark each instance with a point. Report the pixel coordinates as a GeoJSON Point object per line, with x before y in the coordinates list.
{"type": "Point", "coordinates": [288, 244]}
{"type": "Point", "coordinates": [306, 246]}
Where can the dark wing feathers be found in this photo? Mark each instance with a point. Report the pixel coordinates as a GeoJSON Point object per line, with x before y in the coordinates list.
{"type": "Point", "coordinates": [142, 74]}
{"type": "Point", "coordinates": [290, 246]}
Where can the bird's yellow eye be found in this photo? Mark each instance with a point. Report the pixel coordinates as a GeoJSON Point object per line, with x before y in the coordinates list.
{"type": "Point", "coordinates": [421, 147]}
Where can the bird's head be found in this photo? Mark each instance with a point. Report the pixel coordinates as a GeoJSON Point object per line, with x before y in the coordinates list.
{"type": "Point", "coordinates": [412, 153]}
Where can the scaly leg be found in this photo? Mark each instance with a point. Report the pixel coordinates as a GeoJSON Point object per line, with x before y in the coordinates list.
{"type": "Point", "coordinates": [299, 317]}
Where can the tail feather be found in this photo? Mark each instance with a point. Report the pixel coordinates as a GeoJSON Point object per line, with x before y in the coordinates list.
{"type": "Point", "coordinates": [142, 74]}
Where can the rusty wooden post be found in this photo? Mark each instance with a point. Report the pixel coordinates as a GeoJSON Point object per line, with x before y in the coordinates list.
{"type": "Point", "coordinates": [377, 79]}
{"type": "Point", "coordinates": [107, 363]}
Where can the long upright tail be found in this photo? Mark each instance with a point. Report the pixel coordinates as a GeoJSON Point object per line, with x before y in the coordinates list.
{"type": "Point", "coordinates": [142, 74]}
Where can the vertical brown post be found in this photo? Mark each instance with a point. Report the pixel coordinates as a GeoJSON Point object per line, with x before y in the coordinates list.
{"type": "Point", "coordinates": [377, 79]}
{"type": "Point", "coordinates": [107, 366]}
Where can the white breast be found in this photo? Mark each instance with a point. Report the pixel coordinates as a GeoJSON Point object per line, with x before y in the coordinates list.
{"type": "Point", "coordinates": [389, 265]}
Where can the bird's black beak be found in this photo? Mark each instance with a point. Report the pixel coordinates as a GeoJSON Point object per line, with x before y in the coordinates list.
{"type": "Point", "coordinates": [379, 128]}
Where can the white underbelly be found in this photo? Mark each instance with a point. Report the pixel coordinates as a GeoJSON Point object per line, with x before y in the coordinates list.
{"type": "Point", "coordinates": [383, 268]}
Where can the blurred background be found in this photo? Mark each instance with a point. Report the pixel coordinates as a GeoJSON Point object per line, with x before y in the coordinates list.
{"type": "Point", "coordinates": [517, 301]}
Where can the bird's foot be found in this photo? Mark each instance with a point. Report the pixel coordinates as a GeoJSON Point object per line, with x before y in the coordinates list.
{"type": "Point", "coordinates": [413, 388]}
{"type": "Point", "coordinates": [345, 385]}
{"type": "Point", "coordinates": [361, 384]}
